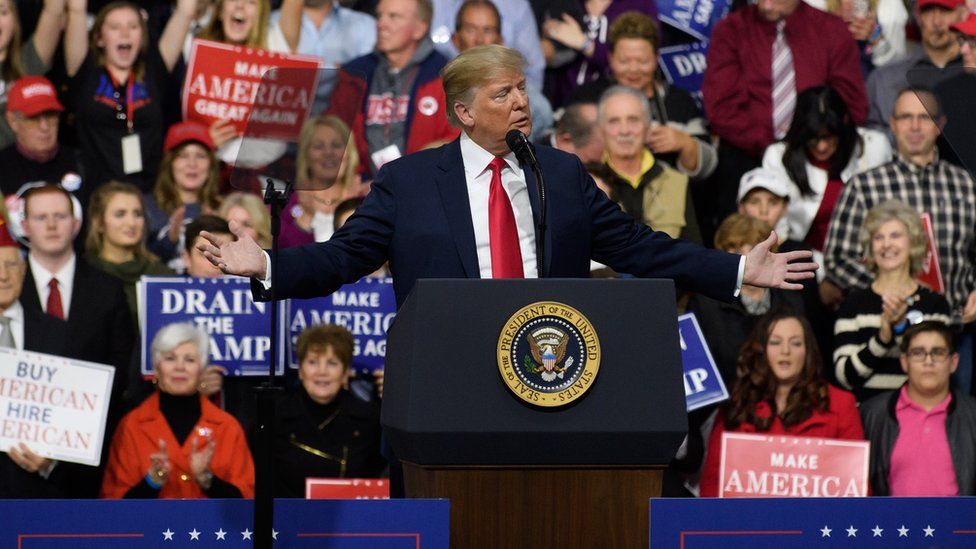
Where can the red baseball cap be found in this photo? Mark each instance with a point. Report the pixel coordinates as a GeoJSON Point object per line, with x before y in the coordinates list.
{"type": "Point", "coordinates": [947, 4]}
{"type": "Point", "coordinates": [967, 27]}
{"type": "Point", "coordinates": [187, 131]}
{"type": "Point", "coordinates": [32, 95]}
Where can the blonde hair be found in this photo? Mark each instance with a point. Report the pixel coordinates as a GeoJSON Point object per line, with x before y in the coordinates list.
{"type": "Point", "coordinates": [473, 68]}
{"type": "Point", "coordinates": [257, 38]}
{"type": "Point", "coordinates": [10, 68]}
{"type": "Point", "coordinates": [893, 210]}
{"type": "Point", "coordinates": [168, 196]}
{"type": "Point", "coordinates": [254, 207]}
{"type": "Point", "coordinates": [738, 230]}
{"type": "Point", "coordinates": [303, 171]}
{"type": "Point", "coordinates": [97, 207]}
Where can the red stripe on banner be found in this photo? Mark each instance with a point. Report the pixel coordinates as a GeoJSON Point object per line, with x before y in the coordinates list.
{"type": "Point", "coordinates": [739, 533]}
{"type": "Point", "coordinates": [964, 532]}
{"type": "Point", "coordinates": [415, 536]}
{"type": "Point", "coordinates": [23, 537]}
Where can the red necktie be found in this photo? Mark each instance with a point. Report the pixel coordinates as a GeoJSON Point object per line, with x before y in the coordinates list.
{"type": "Point", "coordinates": [54, 307]}
{"type": "Point", "coordinates": [506, 256]}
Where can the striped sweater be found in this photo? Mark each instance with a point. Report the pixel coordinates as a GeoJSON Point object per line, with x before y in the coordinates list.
{"type": "Point", "coordinates": [861, 362]}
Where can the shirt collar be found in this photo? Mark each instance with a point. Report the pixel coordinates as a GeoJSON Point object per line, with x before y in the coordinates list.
{"type": "Point", "coordinates": [476, 158]}
{"type": "Point", "coordinates": [43, 277]}
{"type": "Point", "coordinates": [913, 167]}
{"type": "Point", "coordinates": [905, 402]}
{"type": "Point", "coordinates": [15, 312]}
{"type": "Point", "coordinates": [647, 162]}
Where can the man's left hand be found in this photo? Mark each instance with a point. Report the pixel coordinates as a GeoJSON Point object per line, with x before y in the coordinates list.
{"type": "Point", "coordinates": [766, 269]}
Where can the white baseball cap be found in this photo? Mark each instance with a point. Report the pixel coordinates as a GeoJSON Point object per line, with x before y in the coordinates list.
{"type": "Point", "coordinates": [761, 178]}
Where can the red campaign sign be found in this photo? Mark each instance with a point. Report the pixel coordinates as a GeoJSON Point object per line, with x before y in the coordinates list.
{"type": "Point", "coordinates": [347, 488]}
{"type": "Point", "coordinates": [931, 274]}
{"type": "Point", "coordinates": [226, 82]}
{"type": "Point", "coordinates": [771, 466]}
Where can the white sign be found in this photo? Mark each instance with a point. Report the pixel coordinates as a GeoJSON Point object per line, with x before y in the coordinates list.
{"type": "Point", "coordinates": [56, 406]}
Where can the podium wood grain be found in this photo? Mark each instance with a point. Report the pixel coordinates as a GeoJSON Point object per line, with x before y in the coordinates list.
{"type": "Point", "coordinates": [539, 506]}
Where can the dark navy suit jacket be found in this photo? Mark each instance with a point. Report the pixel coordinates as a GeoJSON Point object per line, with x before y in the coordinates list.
{"type": "Point", "coordinates": [417, 216]}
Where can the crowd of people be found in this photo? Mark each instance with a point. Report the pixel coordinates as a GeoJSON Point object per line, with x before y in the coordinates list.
{"type": "Point", "coordinates": [841, 125]}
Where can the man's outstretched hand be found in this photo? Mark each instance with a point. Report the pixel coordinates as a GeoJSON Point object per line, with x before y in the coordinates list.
{"type": "Point", "coordinates": [241, 257]}
{"type": "Point", "coordinates": [771, 270]}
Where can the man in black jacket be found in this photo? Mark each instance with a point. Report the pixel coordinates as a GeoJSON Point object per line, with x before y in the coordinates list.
{"type": "Point", "coordinates": [923, 436]}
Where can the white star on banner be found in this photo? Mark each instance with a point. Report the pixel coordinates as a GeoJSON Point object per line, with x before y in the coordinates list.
{"type": "Point", "coordinates": [851, 531]}
{"type": "Point", "coordinates": [903, 532]}
{"type": "Point", "coordinates": [246, 534]}
{"type": "Point", "coordinates": [274, 534]}
{"type": "Point", "coordinates": [194, 535]}
{"type": "Point", "coordinates": [168, 535]}
{"type": "Point", "coordinates": [220, 534]}
{"type": "Point", "coordinates": [929, 531]}
{"type": "Point", "coordinates": [825, 532]}
{"type": "Point", "coordinates": [877, 531]}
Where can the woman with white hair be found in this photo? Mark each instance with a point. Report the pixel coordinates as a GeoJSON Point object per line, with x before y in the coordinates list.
{"type": "Point", "coordinates": [177, 444]}
{"type": "Point", "coordinates": [870, 321]}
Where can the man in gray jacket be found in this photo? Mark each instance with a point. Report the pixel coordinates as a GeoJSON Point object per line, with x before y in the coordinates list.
{"type": "Point", "coordinates": [923, 436]}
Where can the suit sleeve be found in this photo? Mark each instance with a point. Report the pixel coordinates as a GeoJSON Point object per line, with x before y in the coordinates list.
{"type": "Point", "coordinates": [357, 249]}
{"type": "Point", "coordinates": [626, 247]}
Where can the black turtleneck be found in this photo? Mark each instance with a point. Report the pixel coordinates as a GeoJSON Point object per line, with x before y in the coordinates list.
{"type": "Point", "coordinates": [320, 412]}
{"type": "Point", "coordinates": [181, 413]}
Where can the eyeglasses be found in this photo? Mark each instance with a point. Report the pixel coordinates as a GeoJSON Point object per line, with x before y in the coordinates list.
{"type": "Point", "coordinates": [964, 40]}
{"type": "Point", "coordinates": [938, 354]}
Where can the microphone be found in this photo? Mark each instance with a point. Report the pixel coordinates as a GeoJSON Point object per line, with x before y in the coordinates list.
{"type": "Point", "coordinates": [520, 146]}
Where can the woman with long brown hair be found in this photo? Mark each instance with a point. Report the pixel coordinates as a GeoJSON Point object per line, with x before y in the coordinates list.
{"type": "Point", "coordinates": [781, 390]}
{"type": "Point", "coordinates": [118, 79]}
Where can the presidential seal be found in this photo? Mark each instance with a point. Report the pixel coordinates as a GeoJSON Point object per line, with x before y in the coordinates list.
{"type": "Point", "coordinates": [548, 354]}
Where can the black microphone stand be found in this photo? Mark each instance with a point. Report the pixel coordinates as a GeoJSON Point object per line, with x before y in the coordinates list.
{"type": "Point", "coordinates": [276, 198]}
{"type": "Point", "coordinates": [540, 232]}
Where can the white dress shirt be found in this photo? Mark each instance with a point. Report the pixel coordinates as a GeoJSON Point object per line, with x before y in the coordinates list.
{"type": "Point", "coordinates": [66, 280]}
{"type": "Point", "coordinates": [16, 315]}
{"type": "Point", "coordinates": [478, 178]}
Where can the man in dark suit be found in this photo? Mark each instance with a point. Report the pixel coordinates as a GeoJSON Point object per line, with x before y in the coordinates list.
{"type": "Point", "coordinates": [24, 474]}
{"type": "Point", "coordinates": [67, 288]}
{"type": "Point", "coordinates": [469, 210]}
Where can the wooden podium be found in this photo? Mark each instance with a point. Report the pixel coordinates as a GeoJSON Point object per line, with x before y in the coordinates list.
{"type": "Point", "coordinates": [519, 475]}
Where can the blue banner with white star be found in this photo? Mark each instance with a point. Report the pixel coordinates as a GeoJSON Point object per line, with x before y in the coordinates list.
{"type": "Point", "coordinates": [813, 522]}
{"type": "Point", "coordinates": [169, 524]}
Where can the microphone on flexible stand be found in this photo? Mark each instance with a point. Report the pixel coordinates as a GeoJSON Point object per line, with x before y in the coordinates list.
{"type": "Point", "coordinates": [520, 145]}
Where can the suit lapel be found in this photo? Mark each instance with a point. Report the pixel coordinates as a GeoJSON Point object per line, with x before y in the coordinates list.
{"type": "Point", "coordinates": [28, 294]}
{"type": "Point", "coordinates": [452, 185]}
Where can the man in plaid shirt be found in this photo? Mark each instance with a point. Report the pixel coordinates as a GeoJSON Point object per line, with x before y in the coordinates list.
{"type": "Point", "coordinates": [920, 179]}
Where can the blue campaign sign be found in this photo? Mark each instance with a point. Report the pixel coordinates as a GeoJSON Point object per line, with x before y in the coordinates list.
{"type": "Point", "coordinates": [366, 308]}
{"type": "Point", "coordinates": [691, 523]}
{"type": "Point", "coordinates": [703, 383]}
{"type": "Point", "coordinates": [239, 328]}
{"type": "Point", "coordinates": [684, 66]}
{"type": "Point", "coordinates": [695, 17]}
{"type": "Point", "coordinates": [203, 523]}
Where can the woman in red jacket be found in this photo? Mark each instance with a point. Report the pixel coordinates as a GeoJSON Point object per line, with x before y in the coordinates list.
{"type": "Point", "coordinates": [177, 444]}
{"type": "Point", "coordinates": [781, 390]}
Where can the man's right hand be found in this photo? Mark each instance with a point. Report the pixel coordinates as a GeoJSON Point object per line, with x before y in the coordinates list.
{"type": "Point", "coordinates": [242, 257]}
